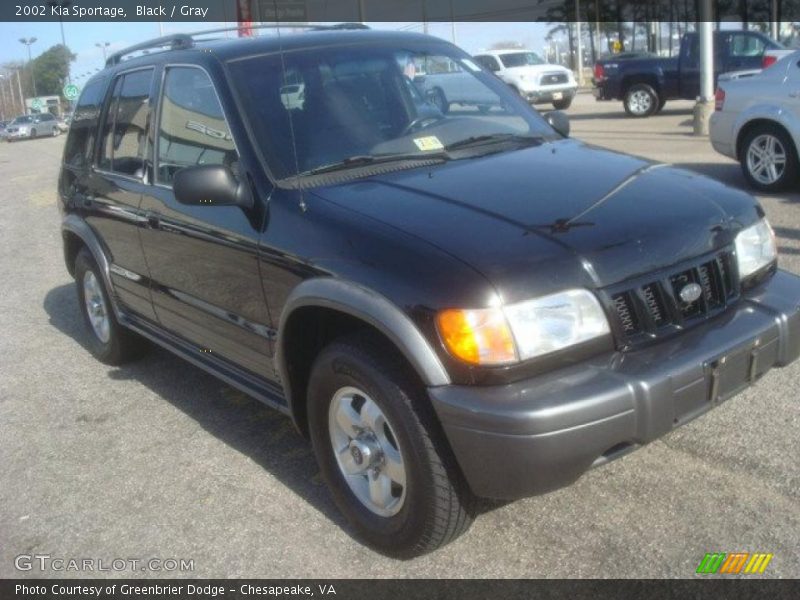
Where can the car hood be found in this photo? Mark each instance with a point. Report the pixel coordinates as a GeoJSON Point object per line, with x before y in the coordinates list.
{"type": "Point", "coordinates": [561, 214]}
{"type": "Point", "coordinates": [537, 69]}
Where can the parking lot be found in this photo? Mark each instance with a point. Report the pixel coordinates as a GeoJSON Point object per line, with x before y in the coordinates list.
{"type": "Point", "coordinates": [159, 460]}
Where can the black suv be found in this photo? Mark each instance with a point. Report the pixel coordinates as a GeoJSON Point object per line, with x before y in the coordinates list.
{"type": "Point", "coordinates": [450, 303]}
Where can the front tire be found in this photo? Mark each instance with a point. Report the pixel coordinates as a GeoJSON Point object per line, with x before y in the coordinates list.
{"type": "Point", "coordinates": [33, 133]}
{"type": "Point", "coordinates": [562, 104]}
{"type": "Point", "coordinates": [641, 100]}
{"type": "Point", "coordinates": [109, 342]}
{"type": "Point", "coordinates": [381, 450]}
{"type": "Point", "coordinates": [768, 158]}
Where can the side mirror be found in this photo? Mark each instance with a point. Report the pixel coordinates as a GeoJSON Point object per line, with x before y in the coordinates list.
{"type": "Point", "coordinates": [559, 121]}
{"type": "Point", "coordinates": [210, 185]}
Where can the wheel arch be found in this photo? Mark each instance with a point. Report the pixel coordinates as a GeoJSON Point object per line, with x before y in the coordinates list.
{"type": "Point", "coordinates": [77, 234]}
{"type": "Point", "coordinates": [321, 309]}
{"type": "Point", "coordinates": [752, 121]}
{"type": "Point", "coordinates": [651, 79]}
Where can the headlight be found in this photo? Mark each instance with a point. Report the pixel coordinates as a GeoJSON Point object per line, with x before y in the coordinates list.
{"type": "Point", "coordinates": [755, 248]}
{"type": "Point", "coordinates": [496, 336]}
{"type": "Point", "coordinates": [22, 130]}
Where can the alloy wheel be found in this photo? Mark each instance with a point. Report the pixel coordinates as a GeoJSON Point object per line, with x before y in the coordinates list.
{"type": "Point", "coordinates": [367, 451]}
{"type": "Point", "coordinates": [640, 102]}
{"type": "Point", "coordinates": [766, 159]}
{"type": "Point", "coordinates": [96, 308]}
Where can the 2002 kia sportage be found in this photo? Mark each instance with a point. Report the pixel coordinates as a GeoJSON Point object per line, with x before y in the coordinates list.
{"type": "Point", "coordinates": [450, 303]}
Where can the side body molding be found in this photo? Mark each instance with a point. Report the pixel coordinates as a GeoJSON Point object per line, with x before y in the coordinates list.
{"type": "Point", "coordinates": [370, 307]}
{"type": "Point", "coordinates": [78, 226]}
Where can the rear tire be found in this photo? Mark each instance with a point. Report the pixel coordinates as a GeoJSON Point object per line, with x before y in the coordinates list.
{"type": "Point", "coordinates": [56, 131]}
{"type": "Point", "coordinates": [109, 342]}
{"type": "Point", "coordinates": [352, 380]}
{"type": "Point", "coordinates": [641, 100]}
{"type": "Point", "coordinates": [768, 158]}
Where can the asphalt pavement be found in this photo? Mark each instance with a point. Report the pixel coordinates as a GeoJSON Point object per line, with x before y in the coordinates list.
{"type": "Point", "coordinates": [160, 460]}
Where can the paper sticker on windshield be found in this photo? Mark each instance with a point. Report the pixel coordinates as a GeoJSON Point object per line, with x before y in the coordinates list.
{"type": "Point", "coordinates": [470, 65]}
{"type": "Point", "coordinates": [430, 142]}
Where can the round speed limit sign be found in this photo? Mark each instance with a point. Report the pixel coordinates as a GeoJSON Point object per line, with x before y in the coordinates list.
{"type": "Point", "coordinates": [71, 91]}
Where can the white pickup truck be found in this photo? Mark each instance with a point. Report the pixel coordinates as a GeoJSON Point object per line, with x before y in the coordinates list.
{"type": "Point", "coordinates": [530, 76]}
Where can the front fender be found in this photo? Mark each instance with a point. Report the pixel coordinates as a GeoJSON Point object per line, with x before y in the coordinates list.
{"type": "Point", "coordinates": [370, 307]}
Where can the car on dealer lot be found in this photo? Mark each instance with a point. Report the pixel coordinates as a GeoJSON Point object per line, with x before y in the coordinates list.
{"type": "Point", "coordinates": [756, 123]}
{"type": "Point", "coordinates": [530, 76]}
{"type": "Point", "coordinates": [435, 299]}
{"type": "Point", "coordinates": [32, 126]}
{"type": "Point", "coordinates": [646, 84]}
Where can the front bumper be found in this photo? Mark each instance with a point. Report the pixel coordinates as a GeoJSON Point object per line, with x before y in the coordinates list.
{"type": "Point", "coordinates": [537, 435]}
{"type": "Point", "coordinates": [17, 135]}
{"type": "Point", "coordinates": [552, 93]}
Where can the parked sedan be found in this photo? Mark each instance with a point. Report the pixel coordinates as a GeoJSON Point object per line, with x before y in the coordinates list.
{"type": "Point", "coordinates": [756, 123]}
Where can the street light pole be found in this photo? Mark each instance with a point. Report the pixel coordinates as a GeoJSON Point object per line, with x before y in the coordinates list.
{"type": "Point", "coordinates": [705, 102]}
{"type": "Point", "coordinates": [62, 5]}
{"type": "Point", "coordinates": [28, 42]}
{"type": "Point", "coordinates": [103, 46]}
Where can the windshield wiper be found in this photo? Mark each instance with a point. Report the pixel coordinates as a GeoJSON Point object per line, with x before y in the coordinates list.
{"type": "Point", "coordinates": [494, 138]}
{"type": "Point", "coordinates": [373, 159]}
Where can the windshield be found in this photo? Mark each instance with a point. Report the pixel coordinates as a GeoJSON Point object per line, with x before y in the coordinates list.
{"type": "Point", "coordinates": [22, 120]}
{"type": "Point", "coordinates": [340, 103]}
{"type": "Point", "coordinates": [521, 59]}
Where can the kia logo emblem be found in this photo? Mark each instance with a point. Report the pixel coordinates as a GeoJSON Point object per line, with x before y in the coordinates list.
{"type": "Point", "coordinates": [690, 293]}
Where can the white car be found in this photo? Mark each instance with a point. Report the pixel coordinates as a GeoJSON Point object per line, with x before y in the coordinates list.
{"type": "Point", "coordinates": [531, 76]}
{"type": "Point", "coordinates": [757, 122]}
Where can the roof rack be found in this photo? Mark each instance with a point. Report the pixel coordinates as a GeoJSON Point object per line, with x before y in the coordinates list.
{"type": "Point", "coordinates": [182, 41]}
{"type": "Point", "coordinates": [177, 41]}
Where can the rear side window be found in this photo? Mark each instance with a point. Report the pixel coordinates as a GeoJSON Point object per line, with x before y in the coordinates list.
{"type": "Point", "coordinates": [488, 62]}
{"type": "Point", "coordinates": [84, 125]}
{"type": "Point", "coordinates": [743, 44]}
{"type": "Point", "coordinates": [125, 131]}
{"type": "Point", "coordinates": [192, 129]}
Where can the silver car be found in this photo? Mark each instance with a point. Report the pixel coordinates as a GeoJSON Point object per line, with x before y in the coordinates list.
{"type": "Point", "coordinates": [32, 126]}
{"type": "Point", "coordinates": [756, 123]}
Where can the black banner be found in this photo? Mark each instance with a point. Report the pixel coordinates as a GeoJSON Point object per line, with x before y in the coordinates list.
{"type": "Point", "coordinates": [319, 11]}
{"type": "Point", "coordinates": [431, 589]}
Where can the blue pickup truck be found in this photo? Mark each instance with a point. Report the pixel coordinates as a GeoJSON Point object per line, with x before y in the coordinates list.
{"type": "Point", "coordinates": [645, 84]}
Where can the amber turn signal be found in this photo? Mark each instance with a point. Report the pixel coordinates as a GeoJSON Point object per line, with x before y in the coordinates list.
{"type": "Point", "coordinates": [478, 337]}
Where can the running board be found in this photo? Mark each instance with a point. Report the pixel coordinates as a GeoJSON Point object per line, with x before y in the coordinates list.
{"type": "Point", "coordinates": [253, 386]}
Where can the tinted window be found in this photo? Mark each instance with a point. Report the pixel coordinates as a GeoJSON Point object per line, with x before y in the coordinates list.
{"type": "Point", "coordinates": [125, 130]}
{"type": "Point", "coordinates": [192, 130]}
{"type": "Point", "coordinates": [520, 59]}
{"type": "Point", "coordinates": [489, 62]}
{"type": "Point", "coordinates": [46, 117]}
{"type": "Point", "coordinates": [377, 101]}
{"type": "Point", "coordinates": [84, 125]}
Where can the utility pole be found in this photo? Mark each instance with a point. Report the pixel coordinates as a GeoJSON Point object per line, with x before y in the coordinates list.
{"type": "Point", "coordinates": [28, 42]}
{"type": "Point", "coordinates": [705, 103]}
{"type": "Point", "coordinates": [579, 61]}
{"type": "Point", "coordinates": [774, 23]}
